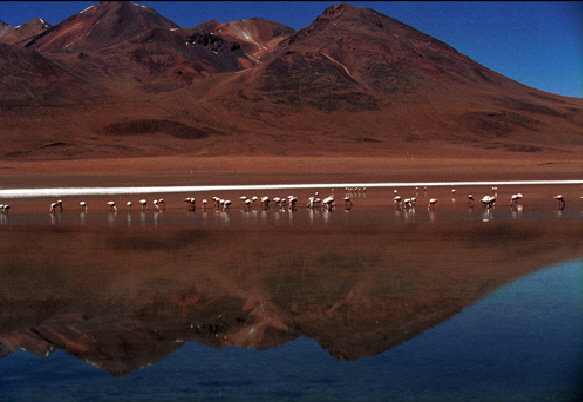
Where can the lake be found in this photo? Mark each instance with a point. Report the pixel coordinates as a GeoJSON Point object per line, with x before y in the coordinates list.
{"type": "Point", "coordinates": [374, 302]}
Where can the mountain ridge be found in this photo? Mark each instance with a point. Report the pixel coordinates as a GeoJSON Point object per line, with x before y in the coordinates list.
{"type": "Point", "coordinates": [354, 78]}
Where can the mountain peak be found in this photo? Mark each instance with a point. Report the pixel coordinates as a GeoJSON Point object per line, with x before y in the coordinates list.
{"type": "Point", "coordinates": [24, 33]}
{"type": "Point", "coordinates": [102, 25]}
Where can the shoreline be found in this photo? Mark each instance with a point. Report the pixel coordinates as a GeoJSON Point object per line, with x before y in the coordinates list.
{"type": "Point", "coordinates": [96, 191]}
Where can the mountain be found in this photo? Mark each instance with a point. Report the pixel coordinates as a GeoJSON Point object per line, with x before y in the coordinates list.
{"type": "Point", "coordinates": [354, 81]}
{"type": "Point", "coordinates": [23, 34]}
{"type": "Point", "coordinates": [5, 28]}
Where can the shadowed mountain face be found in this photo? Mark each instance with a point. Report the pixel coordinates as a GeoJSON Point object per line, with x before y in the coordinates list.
{"type": "Point", "coordinates": [37, 81]}
{"type": "Point", "coordinates": [122, 297]}
{"type": "Point", "coordinates": [352, 78]}
{"type": "Point", "coordinates": [368, 60]}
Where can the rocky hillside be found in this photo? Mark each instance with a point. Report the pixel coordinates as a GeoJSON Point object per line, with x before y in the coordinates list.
{"type": "Point", "coordinates": [118, 78]}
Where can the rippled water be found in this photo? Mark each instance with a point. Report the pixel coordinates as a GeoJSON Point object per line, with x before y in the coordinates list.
{"type": "Point", "coordinates": [452, 303]}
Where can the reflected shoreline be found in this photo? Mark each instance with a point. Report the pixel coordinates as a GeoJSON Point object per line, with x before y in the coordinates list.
{"type": "Point", "coordinates": [122, 297]}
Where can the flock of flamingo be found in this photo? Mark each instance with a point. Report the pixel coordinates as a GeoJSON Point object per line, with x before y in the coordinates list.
{"type": "Point", "coordinates": [489, 201]}
{"type": "Point", "coordinates": [218, 203]}
{"type": "Point", "coordinates": [314, 202]}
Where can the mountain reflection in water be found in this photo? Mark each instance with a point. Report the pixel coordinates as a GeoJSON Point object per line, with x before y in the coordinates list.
{"type": "Point", "coordinates": [123, 297]}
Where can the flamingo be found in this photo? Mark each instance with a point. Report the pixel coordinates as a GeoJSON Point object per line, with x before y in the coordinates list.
{"type": "Point", "coordinates": [129, 204]}
{"type": "Point", "coordinates": [283, 202]}
{"type": "Point", "coordinates": [328, 203]}
{"type": "Point", "coordinates": [397, 199]}
{"type": "Point", "coordinates": [349, 203]}
{"type": "Point", "coordinates": [144, 204]}
{"type": "Point", "coordinates": [470, 199]}
{"type": "Point", "coordinates": [54, 206]}
{"type": "Point", "coordinates": [191, 201]}
{"type": "Point", "coordinates": [515, 198]}
{"type": "Point", "coordinates": [4, 208]}
{"type": "Point", "coordinates": [561, 201]}
{"type": "Point", "coordinates": [112, 206]}
{"type": "Point", "coordinates": [83, 205]}
{"type": "Point", "coordinates": [313, 201]}
{"type": "Point", "coordinates": [432, 202]}
{"type": "Point", "coordinates": [292, 201]}
{"type": "Point", "coordinates": [488, 201]}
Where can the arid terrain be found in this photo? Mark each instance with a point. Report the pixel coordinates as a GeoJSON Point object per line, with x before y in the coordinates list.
{"type": "Point", "coordinates": [355, 84]}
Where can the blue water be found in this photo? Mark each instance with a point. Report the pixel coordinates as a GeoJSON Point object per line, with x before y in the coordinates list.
{"type": "Point", "coordinates": [523, 342]}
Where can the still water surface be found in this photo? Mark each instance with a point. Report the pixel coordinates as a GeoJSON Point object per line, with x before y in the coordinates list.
{"type": "Point", "coordinates": [453, 304]}
{"type": "Point", "coordinates": [523, 342]}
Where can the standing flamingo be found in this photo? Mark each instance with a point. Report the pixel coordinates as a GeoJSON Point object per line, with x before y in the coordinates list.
{"type": "Point", "coordinates": [54, 206]}
{"type": "Point", "coordinates": [292, 201]}
{"type": "Point", "coordinates": [328, 203]}
{"type": "Point", "coordinates": [191, 201]}
{"type": "Point", "coordinates": [488, 201]}
{"type": "Point", "coordinates": [83, 205]}
{"type": "Point", "coordinates": [432, 202]}
{"type": "Point", "coordinates": [112, 206]}
{"type": "Point", "coordinates": [515, 198]}
{"type": "Point", "coordinates": [561, 201]}
{"type": "Point", "coordinates": [129, 204]}
{"type": "Point", "coordinates": [349, 203]}
{"type": "Point", "coordinates": [144, 204]}
{"type": "Point", "coordinates": [265, 200]}
{"type": "Point", "coordinates": [470, 199]}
